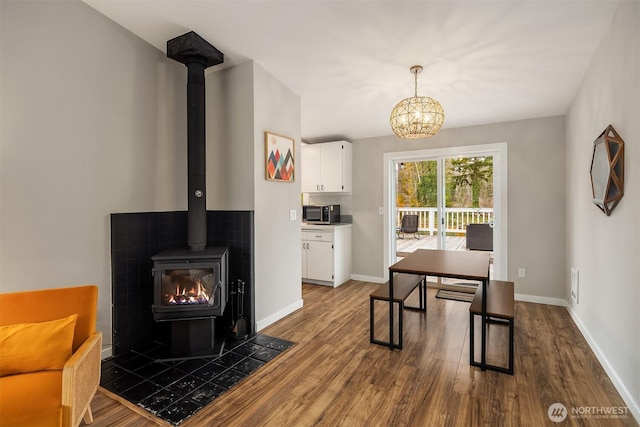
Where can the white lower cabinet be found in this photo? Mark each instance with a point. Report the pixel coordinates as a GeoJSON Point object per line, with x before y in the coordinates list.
{"type": "Point", "coordinates": [317, 256]}
{"type": "Point", "coordinates": [326, 255]}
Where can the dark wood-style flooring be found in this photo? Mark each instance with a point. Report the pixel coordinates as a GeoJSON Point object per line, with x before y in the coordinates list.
{"type": "Point", "coordinates": [335, 377]}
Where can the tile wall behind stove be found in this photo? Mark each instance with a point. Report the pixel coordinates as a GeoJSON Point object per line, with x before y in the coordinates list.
{"type": "Point", "coordinates": [136, 237]}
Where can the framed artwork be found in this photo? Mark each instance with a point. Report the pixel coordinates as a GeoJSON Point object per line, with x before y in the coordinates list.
{"type": "Point", "coordinates": [280, 157]}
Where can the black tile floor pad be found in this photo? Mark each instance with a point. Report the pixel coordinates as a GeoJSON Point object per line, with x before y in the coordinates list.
{"type": "Point", "coordinates": [175, 390]}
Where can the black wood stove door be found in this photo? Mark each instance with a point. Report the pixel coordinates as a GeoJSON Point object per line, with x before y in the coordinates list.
{"type": "Point", "coordinates": [190, 284]}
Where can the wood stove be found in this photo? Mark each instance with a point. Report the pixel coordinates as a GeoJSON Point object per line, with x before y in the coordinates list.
{"type": "Point", "coordinates": [190, 284]}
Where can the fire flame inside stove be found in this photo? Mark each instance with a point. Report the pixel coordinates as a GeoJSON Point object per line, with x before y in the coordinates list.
{"type": "Point", "coordinates": [180, 287]}
{"type": "Point", "coordinates": [195, 294]}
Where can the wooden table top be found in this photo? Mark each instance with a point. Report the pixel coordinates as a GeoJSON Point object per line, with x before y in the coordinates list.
{"type": "Point", "coordinates": [470, 265]}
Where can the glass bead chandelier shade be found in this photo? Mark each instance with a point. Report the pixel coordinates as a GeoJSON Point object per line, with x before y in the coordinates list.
{"type": "Point", "coordinates": [418, 116]}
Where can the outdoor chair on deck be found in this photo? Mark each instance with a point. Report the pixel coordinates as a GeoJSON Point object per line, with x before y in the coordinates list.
{"type": "Point", "coordinates": [409, 225]}
{"type": "Point", "coordinates": [479, 237]}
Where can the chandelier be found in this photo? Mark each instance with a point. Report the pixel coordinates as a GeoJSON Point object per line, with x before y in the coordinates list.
{"type": "Point", "coordinates": [418, 116]}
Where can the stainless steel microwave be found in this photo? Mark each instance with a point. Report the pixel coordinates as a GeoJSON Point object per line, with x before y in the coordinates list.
{"type": "Point", "coordinates": [321, 214]}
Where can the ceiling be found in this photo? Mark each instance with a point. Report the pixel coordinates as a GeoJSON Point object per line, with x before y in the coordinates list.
{"type": "Point", "coordinates": [484, 61]}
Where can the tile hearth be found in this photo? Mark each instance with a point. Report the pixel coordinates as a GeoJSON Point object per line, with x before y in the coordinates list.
{"type": "Point", "coordinates": [175, 390]}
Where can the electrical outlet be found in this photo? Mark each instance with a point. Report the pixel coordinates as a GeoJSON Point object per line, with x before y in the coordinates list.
{"type": "Point", "coordinates": [575, 284]}
{"type": "Point", "coordinates": [292, 215]}
{"type": "Point", "coordinates": [522, 272]}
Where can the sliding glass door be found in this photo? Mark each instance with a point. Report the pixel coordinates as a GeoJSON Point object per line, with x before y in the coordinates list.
{"type": "Point", "coordinates": [455, 197]}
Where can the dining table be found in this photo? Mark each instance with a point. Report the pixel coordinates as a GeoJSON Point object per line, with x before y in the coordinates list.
{"type": "Point", "coordinates": [467, 265]}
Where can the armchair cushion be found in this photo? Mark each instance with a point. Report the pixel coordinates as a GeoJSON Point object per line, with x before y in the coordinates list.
{"type": "Point", "coordinates": [32, 347]}
{"type": "Point", "coordinates": [31, 399]}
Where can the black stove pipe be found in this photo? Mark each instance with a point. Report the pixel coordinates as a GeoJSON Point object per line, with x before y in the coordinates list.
{"type": "Point", "coordinates": [197, 54]}
{"type": "Point", "coordinates": [196, 164]}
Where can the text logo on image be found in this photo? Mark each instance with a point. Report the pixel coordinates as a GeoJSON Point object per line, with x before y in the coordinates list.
{"type": "Point", "coordinates": [557, 412]}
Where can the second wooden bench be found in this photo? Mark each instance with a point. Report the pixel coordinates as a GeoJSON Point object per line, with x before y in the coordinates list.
{"type": "Point", "coordinates": [500, 306]}
{"type": "Point", "coordinates": [403, 286]}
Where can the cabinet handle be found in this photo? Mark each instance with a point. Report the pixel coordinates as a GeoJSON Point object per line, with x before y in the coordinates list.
{"type": "Point", "coordinates": [318, 187]}
{"type": "Point", "coordinates": [322, 187]}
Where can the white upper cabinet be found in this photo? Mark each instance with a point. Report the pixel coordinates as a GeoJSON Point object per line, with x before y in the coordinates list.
{"type": "Point", "coordinates": [310, 168]}
{"type": "Point", "coordinates": [326, 167]}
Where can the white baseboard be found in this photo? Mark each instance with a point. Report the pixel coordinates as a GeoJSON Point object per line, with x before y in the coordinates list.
{"type": "Point", "coordinates": [371, 279]}
{"type": "Point", "coordinates": [106, 352]}
{"type": "Point", "coordinates": [633, 406]}
{"type": "Point", "coordinates": [541, 300]}
{"type": "Point", "coordinates": [261, 324]}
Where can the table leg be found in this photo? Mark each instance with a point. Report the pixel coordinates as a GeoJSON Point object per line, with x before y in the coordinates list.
{"type": "Point", "coordinates": [391, 341]}
{"type": "Point", "coordinates": [483, 356]}
{"type": "Point", "coordinates": [472, 354]}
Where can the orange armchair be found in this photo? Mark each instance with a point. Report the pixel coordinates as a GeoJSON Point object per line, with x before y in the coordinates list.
{"type": "Point", "coordinates": [53, 397]}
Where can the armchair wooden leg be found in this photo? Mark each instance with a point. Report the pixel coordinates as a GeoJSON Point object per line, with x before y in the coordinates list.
{"type": "Point", "coordinates": [88, 416]}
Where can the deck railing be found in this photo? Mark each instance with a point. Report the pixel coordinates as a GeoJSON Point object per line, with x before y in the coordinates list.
{"type": "Point", "coordinates": [456, 219]}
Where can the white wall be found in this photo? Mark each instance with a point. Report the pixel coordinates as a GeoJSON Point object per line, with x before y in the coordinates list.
{"type": "Point", "coordinates": [277, 239]}
{"type": "Point", "coordinates": [536, 156]}
{"type": "Point", "coordinates": [606, 250]}
{"type": "Point", "coordinates": [243, 102]}
{"type": "Point", "coordinates": [93, 123]}
{"type": "Point", "coordinates": [230, 150]}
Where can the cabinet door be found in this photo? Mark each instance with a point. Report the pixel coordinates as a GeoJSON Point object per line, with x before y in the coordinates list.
{"type": "Point", "coordinates": [310, 168]}
{"type": "Point", "coordinates": [331, 173]}
{"type": "Point", "coordinates": [320, 260]}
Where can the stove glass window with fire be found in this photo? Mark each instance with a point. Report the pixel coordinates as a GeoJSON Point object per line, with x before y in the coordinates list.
{"type": "Point", "coordinates": [188, 286]}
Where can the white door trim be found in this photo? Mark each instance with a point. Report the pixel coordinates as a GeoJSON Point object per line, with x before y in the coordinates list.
{"type": "Point", "coordinates": [499, 150]}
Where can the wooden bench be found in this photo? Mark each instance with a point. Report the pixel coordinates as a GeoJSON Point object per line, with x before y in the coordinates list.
{"type": "Point", "coordinates": [500, 309]}
{"type": "Point", "coordinates": [403, 286]}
